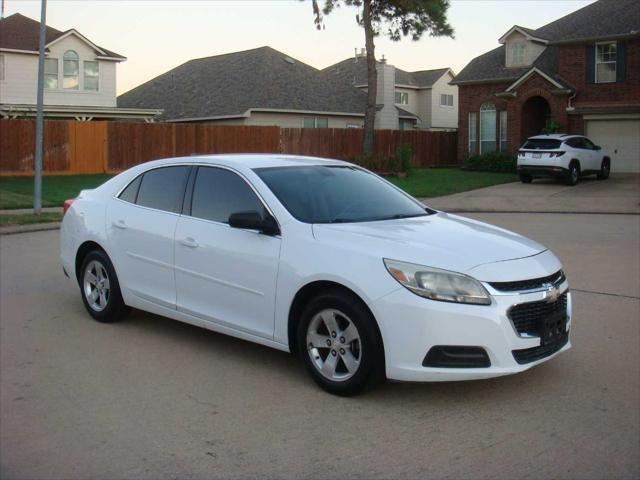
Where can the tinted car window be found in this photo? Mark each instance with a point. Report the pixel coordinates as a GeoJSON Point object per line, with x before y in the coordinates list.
{"type": "Point", "coordinates": [163, 188]}
{"type": "Point", "coordinates": [332, 194]}
{"type": "Point", "coordinates": [217, 193]}
{"type": "Point", "coordinates": [588, 144]}
{"type": "Point", "coordinates": [542, 144]}
{"type": "Point", "coordinates": [129, 194]}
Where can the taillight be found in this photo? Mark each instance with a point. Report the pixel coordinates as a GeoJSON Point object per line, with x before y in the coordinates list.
{"type": "Point", "coordinates": [556, 154]}
{"type": "Point", "coordinates": [65, 206]}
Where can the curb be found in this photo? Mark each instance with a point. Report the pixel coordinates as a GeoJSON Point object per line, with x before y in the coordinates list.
{"type": "Point", "coordinates": [36, 227]}
{"type": "Point", "coordinates": [546, 212]}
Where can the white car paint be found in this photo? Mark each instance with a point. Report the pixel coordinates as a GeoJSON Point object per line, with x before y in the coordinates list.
{"type": "Point", "coordinates": [243, 283]}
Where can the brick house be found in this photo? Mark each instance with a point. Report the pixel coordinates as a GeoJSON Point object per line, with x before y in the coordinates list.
{"type": "Point", "coordinates": [580, 73]}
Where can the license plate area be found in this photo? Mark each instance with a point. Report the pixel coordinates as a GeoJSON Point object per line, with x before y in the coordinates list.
{"type": "Point", "coordinates": [553, 327]}
{"type": "Point", "coordinates": [537, 155]}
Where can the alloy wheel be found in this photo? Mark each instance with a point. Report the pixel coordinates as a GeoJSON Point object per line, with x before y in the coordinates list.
{"type": "Point", "coordinates": [96, 285]}
{"type": "Point", "coordinates": [334, 345]}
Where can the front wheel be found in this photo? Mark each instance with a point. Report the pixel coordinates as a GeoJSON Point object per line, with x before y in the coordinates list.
{"type": "Point", "coordinates": [339, 343]}
{"type": "Point", "coordinates": [100, 289]}
{"type": "Point", "coordinates": [605, 169]}
{"type": "Point", "coordinates": [524, 178]}
{"type": "Point", "coordinates": [573, 175]}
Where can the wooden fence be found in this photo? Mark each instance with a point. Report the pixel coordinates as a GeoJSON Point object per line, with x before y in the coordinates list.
{"type": "Point", "coordinates": [72, 147]}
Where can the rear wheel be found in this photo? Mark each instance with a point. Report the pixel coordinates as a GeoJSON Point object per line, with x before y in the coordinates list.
{"type": "Point", "coordinates": [340, 345]}
{"type": "Point", "coordinates": [573, 175]}
{"type": "Point", "coordinates": [605, 169]}
{"type": "Point", "coordinates": [100, 289]}
{"type": "Point", "coordinates": [524, 178]}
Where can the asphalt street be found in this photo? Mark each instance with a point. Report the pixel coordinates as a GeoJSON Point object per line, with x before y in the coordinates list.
{"type": "Point", "coordinates": [154, 398]}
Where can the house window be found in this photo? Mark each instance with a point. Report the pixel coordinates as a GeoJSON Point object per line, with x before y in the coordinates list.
{"type": "Point", "coordinates": [503, 131]}
{"type": "Point", "coordinates": [315, 122]}
{"type": "Point", "coordinates": [487, 127]}
{"type": "Point", "coordinates": [91, 76]}
{"type": "Point", "coordinates": [446, 100]}
{"type": "Point", "coordinates": [606, 62]}
{"type": "Point", "coordinates": [402, 98]}
{"type": "Point", "coordinates": [517, 53]}
{"type": "Point", "coordinates": [51, 73]}
{"type": "Point", "coordinates": [473, 133]}
{"type": "Point", "coordinates": [70, 70]}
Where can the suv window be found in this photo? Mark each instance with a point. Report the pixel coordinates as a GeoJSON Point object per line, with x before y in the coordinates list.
{"type": "Point", "coordinates": [130, 193]}
{"type": "Point", "coordinates": [163, 188]}
{"type": "Point", "coordinates": [588, 144]}
{"type": "Point", "coordinates": [217, 193]}
{"type": "Point", "coordinates": [574, 142]}
{"type": "Point", "coordinates": [541, 144]}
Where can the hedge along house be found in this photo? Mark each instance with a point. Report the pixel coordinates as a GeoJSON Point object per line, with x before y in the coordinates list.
{"type": "Point", "coordinates": [579, 74]}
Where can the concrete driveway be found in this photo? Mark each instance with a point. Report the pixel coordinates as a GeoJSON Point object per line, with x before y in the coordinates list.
{"type": "Point", "coordinates": [619, 194]}
{"type": "Point", "coordinates": [153, 398]}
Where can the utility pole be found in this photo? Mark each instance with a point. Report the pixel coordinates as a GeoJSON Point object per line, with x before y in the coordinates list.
{"type": "Point", "coordinates": [37, 177]}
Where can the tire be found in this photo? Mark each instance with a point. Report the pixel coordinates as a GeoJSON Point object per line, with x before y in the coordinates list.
{"type": "Point", "coordinates": [605, 169]}
{"type": "Point", "coordinates": [573, 175]}
{"type": "Point", "coordinates": [340, 345]}
{"type": "Point", "coordinates": [524, 178]}
{"type": "Point", "coordinates": [100, 290]}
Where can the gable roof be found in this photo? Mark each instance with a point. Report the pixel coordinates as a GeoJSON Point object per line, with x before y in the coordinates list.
{"type": "Point", "coordinates": [232, 84]}
{"type": "Point", "coordinates": [18, 32]}
{"type": "Point", "coordinates": [600, 20]}
{"type": "Point", "coordinates": [353, 71]}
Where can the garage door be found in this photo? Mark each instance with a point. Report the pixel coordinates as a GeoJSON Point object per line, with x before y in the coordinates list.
{"type": "Point", "coordinates": [621, 138]}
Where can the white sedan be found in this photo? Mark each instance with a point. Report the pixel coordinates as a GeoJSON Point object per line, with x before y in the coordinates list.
{"type": "Point", "coordinates": [320, 258]}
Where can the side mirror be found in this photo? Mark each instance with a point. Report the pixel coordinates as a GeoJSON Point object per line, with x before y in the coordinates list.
{"type": "Point", "coordinates": [252, 220]}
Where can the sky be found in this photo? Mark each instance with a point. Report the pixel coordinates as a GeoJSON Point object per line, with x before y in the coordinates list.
{"type": "Point", "coordinates": [157, 35]}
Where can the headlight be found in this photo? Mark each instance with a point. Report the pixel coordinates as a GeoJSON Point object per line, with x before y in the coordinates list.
{"type": "Point", "coordinates": [438, 284]}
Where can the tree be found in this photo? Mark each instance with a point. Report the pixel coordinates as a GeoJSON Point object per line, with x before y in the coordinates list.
{"type": "Point", "coordinates": [398, 18]}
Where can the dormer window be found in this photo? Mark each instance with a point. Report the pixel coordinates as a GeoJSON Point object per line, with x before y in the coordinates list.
{"type": "Point", "coordinates": [70, 70]}
{"type": "Point", "coordinates": [606, 58]}
{"type": "Point", "coordinates": [517, 53]}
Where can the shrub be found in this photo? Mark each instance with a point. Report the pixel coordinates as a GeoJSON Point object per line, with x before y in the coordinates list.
{"type": "Point", "coordinates": [492, 162]}
{"type": "Point", "coordinates": [404, 155]}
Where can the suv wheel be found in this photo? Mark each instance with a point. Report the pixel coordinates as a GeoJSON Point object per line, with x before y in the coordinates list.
{"type": "Point", "coordinates": [100, 288]}
{"type": "Point", "coordinates": [339, 343]}
{"type": "Point", "coordinates": [524, 178]}
{"type": "Point", "coordinates": [573, 175]}
{"type": "Point", "coordinates": [605, 169]}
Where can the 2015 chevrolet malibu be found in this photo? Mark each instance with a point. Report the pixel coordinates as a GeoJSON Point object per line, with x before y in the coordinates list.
{"type": "Point", "coordinates": [321, 258]}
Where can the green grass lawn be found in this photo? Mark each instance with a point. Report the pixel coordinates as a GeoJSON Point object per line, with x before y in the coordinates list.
{"type": "Point", "coordinates": [29, 218]}
{"type": "Point", "coordinates": [17, 192]}
{"type": "Point", "coordinates": [434, 182]}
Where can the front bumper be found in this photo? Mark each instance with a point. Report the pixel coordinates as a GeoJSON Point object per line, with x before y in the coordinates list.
{"type": "Point", "coordinates": [412, 325]}
{"type": "Point", "coordinates": [542, 170]}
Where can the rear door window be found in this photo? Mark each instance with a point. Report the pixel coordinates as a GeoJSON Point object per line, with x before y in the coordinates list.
{"type": "Point", "coordinates": [217, 193]}
{"type": "Point", "coordinates": [542, 144]}
{"type": "Point", "coordinates": [130, 193]}
{"type": "Point", "coordinates": [163, 188]}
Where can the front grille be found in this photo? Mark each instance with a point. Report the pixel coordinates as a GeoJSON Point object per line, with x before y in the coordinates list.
{"type": "Point", "coordinates": [531, 284]}
{"type": "Point", "coordinates": [528, 318]}
{"type": "Point", "coordinates": [529, 355]}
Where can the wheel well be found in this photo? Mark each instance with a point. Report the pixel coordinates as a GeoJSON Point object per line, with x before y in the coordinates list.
{"type": "Point", "coordinates": [606, 158]}
{"type": "Point", "coordinates": [575, 161]}
{"type": "Point", "coordinates": [305, 294]}
{"type": "Point", "coordinates": [84, 249]}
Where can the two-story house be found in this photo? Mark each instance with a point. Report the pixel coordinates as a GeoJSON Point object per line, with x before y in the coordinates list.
{"type": "Point", "coordinates": [79, 76]}
{"type": "Point", "coordinates": [422, 99]}
{"type": "Point", "coordinates": [263, 86]}
{"type": "Point", "coordinates": [579, 74]}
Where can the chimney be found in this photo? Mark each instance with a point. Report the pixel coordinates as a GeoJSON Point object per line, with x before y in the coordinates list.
{"type": "Point", "coordinates": [387, 116]}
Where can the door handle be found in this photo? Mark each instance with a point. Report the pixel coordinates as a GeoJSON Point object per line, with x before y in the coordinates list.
{"type": "Point", "coordinates": [120, 224]}
{"type": "Point", "coordinates": [189, 242]}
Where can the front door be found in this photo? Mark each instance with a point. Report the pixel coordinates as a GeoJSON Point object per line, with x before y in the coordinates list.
{"type": "Point", "coordinates": [223, 274]}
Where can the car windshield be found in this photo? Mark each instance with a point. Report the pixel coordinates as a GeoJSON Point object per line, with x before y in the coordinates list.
{"type": "Point", "coordinates": [542, 144]}
{"type": "Point", "coordinates": [337, 194]}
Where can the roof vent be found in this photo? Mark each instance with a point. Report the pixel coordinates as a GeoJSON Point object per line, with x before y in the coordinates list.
{"type": "Point", "coordinates": [289, 60]}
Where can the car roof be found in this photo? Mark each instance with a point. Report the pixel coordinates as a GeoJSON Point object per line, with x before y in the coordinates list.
{"type": "Point", "coordinates": [555, 136]}
{"type": "Point", "coordinates": [249, 160]}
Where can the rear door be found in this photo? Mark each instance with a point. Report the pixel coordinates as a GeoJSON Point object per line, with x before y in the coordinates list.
{"type": "Point", "coordinates": [141, 224]}
{"type": "Point", "coordinates": [223, 274]}
{"type": "Point", "coordinates": [595, 156]}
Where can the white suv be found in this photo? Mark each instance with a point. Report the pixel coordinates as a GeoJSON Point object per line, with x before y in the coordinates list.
{"type": "Point", "coordinates": [561, 155]}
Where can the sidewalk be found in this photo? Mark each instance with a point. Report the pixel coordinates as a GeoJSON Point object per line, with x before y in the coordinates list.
{"type": "Point", "coordinates": [620, 194]}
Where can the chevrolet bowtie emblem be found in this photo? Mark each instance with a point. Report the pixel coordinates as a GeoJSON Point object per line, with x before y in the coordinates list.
{"type": "Point", "coordinates": [552, 294]}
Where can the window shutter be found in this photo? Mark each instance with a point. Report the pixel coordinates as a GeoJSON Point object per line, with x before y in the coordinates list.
{"type": "Point", "coordinates": [591, 64]}
{"type": "Point", "coordinates": [620, 62]}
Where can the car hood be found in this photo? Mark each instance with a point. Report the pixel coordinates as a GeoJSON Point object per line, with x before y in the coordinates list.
{"type": "Point", "coordinates": [440, 240]}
